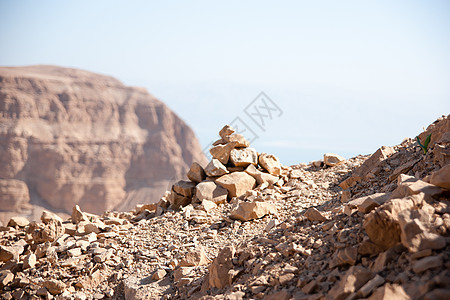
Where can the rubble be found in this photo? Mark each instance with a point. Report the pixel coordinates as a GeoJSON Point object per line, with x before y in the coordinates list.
{"type": "Point", "coordinates": [259, 231]}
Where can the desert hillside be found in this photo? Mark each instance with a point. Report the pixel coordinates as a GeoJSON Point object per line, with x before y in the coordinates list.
{"type": "Point", "coordinates": [246, 227]}
{"type": "Point", "coordinates": [69, 136]}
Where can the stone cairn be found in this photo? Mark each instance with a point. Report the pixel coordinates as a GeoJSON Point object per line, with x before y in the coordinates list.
{"type": "Point", "coordinates": [234, 169]}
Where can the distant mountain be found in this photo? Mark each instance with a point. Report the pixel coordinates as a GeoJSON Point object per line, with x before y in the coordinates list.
{"type": "Point", "coordinates": [69, 136]}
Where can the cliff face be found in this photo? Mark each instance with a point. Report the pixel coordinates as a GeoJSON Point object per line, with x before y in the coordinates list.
{"type": "Point", "coordinates": [74, 137]}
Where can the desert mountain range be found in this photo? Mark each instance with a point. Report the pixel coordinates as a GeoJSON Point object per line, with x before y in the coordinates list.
{"type": "Point", "coordinates": [71, 137]}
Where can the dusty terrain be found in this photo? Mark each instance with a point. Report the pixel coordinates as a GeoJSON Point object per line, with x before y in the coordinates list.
{"type": "Point", "coordinates": [69, 136]}
{"type": "Point", "coordinates": [246, 227]}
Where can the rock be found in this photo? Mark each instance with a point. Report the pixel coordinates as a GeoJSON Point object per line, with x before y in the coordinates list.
{"type": "Point", "coordinates": [14, 193]}
{"type": "Point", "coordinates": [351, 282]}
{"type": "Point", "coordinates": [246, 211]}
{"type": "Point", "coordinates": [215, 168]}
{"type": "Point", "coordinates": [18, 221]}
{"type": "Point", "coordinates": [6, 277]}
{"type": "Point", "coordinates": [29, 261]}
{"type": "Point", "coordinates": [382, 260]}
{"type": "Point", "coordinates": [54, 286]}
{"type": "Point", "coordinates": [243, 157]}
{"type": "Point", "coordinates": [331, 159]}
{"type": "Point", "coordinates": [47, 216]}
{"type": "Point", "coordinates": [194, 258]}
{"type": "Point", "coordinates": [366, 204]}
{"type": "Point", "coordinates": [313, 214]}
{"type": "Point", "coordinates": [441, 177]}
{"type": "Point", "coordinates": [8, 253]}
{"type": "Point", "coordinates": [220, 268]}
{"type": "Point", "coordinates": [177, 201]}
{"type": "Point", "coordinates": [226, 131]}
{"type": "Point", "coordinates": [389, 291]}
{"type": "Point", "coordinates": [236, 183]}
{"type": "Point", "coordinates": [373, 161]}
{"type": "Point", "coordinates": [427, 263]}
{"type": "Point", "coordinates": [416, 231]}
{"type": "Point", "coordinates": [184, 188]}
{"type": "Point", "coordinates": [222, 152]}
{"type": "Point", "coordinates": [344, 256]}
{"type": "Point", "coordinates": [92, 125]}
{"type": "Point", "coordinates": [74, 252]}
{"type": "Point", "coordinates": [270, 163]}
{"type": "Point", "coordinates": [209, 190]}
{"type": "Point", "coordinates": [371, 285]}
{"type": "Point", "coordinates": [159, 274]}
{"type": "Point", "coordinates": [409, 185]}
{"type": "Point", "coordinates": [208, 205]}
{"type": "Point", "coordinates": [261, 177]}
{"type": "Point", "coordinates": [42, 233]}
{"type": "Point", "coordinates": [78, 215]}
{"type": "Point", "coordinates": [350, 182]}
{"type": "Point", "coordinates": [238, 140]}
{"type": "Point", "coordinates": [437, 294]}
{"type": "Point", "coordinates": [196, 173]}
{"type": "Point", "coordinates": [381, 224]}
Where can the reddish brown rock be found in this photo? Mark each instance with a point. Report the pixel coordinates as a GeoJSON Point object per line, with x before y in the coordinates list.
{"type": "Point", "coordinates": [196, 173]}
{"type": "Point", "coordinates": [185, 188]}
{"type": "Point", "coordinates": [219, 270]}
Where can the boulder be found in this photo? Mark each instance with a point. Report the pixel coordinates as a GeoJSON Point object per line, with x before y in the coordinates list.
{"type": "Point", "coordinates": [215, 168]}
{"type": "Point", "coordinates": [238, 140]}
{"type": "Point", "coordinates": [270, 163]}
{"type": "Point", "coordinates": [243, 157]}
{"type": "Point", "coordinates": [222, 152]}
{"type": "Point", "coordinates": [196, 173]}
{"type": "Point", "coordinates": [441, 177]}
{"type": "Point", "coordinates": [246, 211]}
{"type": "Point", "coordinates": [331, 159]}
{"type": "Point", "coordinates": [209, 190]}
{"type": "Point", "coordinates": [184, 188]}
{"type": "Point", "coordinates": [236, 183]}
{"type": "Point", "coordinates": [219, 270]}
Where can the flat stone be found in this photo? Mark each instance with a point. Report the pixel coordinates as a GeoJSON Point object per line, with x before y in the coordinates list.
{"type": "Point", "coordinates": [246, 211]}
{"type": "Point", "coordinates": [18, 222]}
{"type": "Point", "coordinates": [427, 263]}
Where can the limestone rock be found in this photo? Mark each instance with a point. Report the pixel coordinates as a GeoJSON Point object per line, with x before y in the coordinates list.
{"type": "Point", "coordinates": [344, 256]}
{"type": "Point", "coordinates": [222, 152]}
{"type": "Point", "coordinates": [215, 168]}
{"type": "Point", "coordinates": [29, 261]}
{"type": "Point", "coordinates": [243, 157]}
{"type": "Point", "coordinates": [389, 291]}
{"type": "Point", "coordinates": [261, 177]}
{"type": "Point", "coordinates": [426, 263]}
{"type": "Point", "coordinates": [246, 211]}
{"type": "Point", "coordinates": [75, 137]}
{"type": "Point", "coordinates": [270, 163]}
{"type": "Point", "coordinates": [366, 204]}
{"type": "Point", "coordinates": [441, 177]}
{"type": "Point", "coordinates": [331, 159]}
{"type": "Point", "coordinates": [313, 214]}
{"type": "Point", "coordinates": [209, 190]}
{"type": "Point", "coordinates": [381, 224]}
{"type": "Point", "coordinates": [238, 140]}
{"type": "Point", "coordinates": [236, 183]}
{"type": "Point", "coordinates": [159, 274]}
{"type": "Point", "coordinates": [352, 281]}
{"type": "Point", "coordinates": [47, 216]}
{"type": "Point", "coordinates": [6, 277]}
{"type": "Point", "coordinates": [409, 185]}
{"type": "Point", "coordinates": [78, 216]}
{"type": "Point", "coordinates": [220, 268]}
{"type": "Point", "coordinates": [42, 233]}
{"type": "Point", "coordinates": [374, 161]}
{"type": "Point", "coordinates": [54, 286]}
{"type": "Point", "coordinates": [194, 258]}
{"type": "Point", "coordinates": [10, 252]}
{"type": "Point", "coordinates": [226, 131]}
{"type": "Point", "coordinates": [196, 173]}
{"type": "Point", "coordinates": [185, 188]}
{"type": "Point", "coordinates": [18, 221]}
{"type": "Point", "coordinates": [177, 201]}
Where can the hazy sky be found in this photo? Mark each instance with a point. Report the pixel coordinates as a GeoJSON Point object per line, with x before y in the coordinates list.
{"type": "Point", "coordinates": [348, 76]}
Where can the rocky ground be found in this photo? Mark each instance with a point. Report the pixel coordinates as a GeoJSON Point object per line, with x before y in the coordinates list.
{"type": "Point", "coordinates": [246, 227]}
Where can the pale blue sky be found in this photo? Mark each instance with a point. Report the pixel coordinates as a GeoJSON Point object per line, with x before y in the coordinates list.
{"type": "Point", "coordinates": [350, 76]}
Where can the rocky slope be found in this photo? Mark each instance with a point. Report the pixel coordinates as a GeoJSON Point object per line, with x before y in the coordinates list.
{"type": "Point", "coordinates": [246, 227]}
{"type": "Point", "coordinates": [70, 137]}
